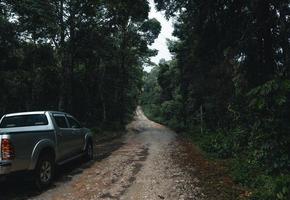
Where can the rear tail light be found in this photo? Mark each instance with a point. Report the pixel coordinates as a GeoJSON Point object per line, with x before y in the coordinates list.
{"type": "Point", "coordinates": [7, 150]}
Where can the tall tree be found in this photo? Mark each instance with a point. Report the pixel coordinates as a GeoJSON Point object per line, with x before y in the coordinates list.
{"type": "Point", "coordinates": [84, 57]}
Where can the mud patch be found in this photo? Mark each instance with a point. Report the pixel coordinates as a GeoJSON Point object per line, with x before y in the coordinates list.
{"type": "Point", "coordinates": [107, 195]}
{"type": "Point", "coordinates": [137, 168]}
{"type": "Point", "coordinates": [143, 154]}
{"type": "Point", "coordinates": [212, 175]}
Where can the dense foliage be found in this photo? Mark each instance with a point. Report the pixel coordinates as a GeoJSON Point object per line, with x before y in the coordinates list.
{"type": "Point", "coordinates": [229, 85]}
{"type": "Point", "coordinates": [79, 56]}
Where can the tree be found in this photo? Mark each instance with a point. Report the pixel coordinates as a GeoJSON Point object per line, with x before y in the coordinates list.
{"type": "Point", "coordinates": [84, 57]}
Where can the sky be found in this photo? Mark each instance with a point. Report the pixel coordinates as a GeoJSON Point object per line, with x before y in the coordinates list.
{"type": "Point", "coordinates": [166, 32]}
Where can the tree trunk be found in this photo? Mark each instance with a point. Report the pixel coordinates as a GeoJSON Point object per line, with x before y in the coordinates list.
{"type": "Point", "coordinates": [101, 91]}
{"type": "Point", "coordinates": [124, 77]}
{"type": "Point", "coordinates": [264, 23]}
{"type": "Point", "coordinates": [285, 40]}
{"type": "Point", "coordinates": [67, 61]}
{"type": "Point", "coordinates": [60, 58]}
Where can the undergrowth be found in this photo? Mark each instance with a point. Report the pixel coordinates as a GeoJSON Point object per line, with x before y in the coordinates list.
{"type": "Point", "coordinates": [245, 168]}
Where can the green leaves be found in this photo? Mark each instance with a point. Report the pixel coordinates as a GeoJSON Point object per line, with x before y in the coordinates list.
{"type": "Point", "coordinates": [277, 187]}
{"type": "Point", "coordinates": [89, 53]}
{"type": "Point", "coordinates": [267, 96]}
{"type": "Point", "coordinates": [151, 29]}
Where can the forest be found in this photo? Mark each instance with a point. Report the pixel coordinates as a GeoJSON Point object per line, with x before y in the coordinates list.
{"type": "Point", "coordinates": [228, 87]}
{"type": "Point", "coordinates": [82, 57]}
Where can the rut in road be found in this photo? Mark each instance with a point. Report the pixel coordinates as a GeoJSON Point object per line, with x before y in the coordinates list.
{"type": "Point", "coordinates": [143, 167]}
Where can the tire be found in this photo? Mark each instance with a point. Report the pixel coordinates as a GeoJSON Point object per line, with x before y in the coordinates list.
{"type": "Point", "coordinates": [89, 152]}
{"type": "Point", "coordinates": [44, 171]}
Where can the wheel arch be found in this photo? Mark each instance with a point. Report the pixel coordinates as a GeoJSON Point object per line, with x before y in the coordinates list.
{"type": "Point", "coordinates": [43, 146]}
{"type": "Point", "coordinates": [88, 140]}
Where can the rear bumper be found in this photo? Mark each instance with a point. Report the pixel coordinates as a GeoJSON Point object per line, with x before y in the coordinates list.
{"type": "Point", "coordinates": [5, 167]}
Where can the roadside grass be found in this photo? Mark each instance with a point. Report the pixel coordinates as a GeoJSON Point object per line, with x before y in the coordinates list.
{"type": "Point", "coordinates": [202, 141]}
{"type": "Point", "coordinates": [212, 173]}
{"type": "Point", "coordinates": [246, 171]}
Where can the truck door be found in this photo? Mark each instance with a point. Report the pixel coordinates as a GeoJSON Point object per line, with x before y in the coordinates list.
{"type": "Point", "coordinates": [65, 138]}
{"type": "Point", "coordinates": [77, 132]}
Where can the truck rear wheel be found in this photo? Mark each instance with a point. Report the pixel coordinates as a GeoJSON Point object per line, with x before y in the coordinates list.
{"type": "Point", "coordinates": [44, 171]}
{"type": "Point", "coordinates": [89, 152]}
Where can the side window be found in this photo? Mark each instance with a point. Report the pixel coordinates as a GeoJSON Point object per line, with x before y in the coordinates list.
{"type": "Point", "coordinates": [73, 123]}
{"type": "Point", "coordinates": [60, 121]}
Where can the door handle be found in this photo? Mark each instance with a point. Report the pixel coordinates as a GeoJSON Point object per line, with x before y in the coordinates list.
{"type": "Point", "coordinates": [75, 131]}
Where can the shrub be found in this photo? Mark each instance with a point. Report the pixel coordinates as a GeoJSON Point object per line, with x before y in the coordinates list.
{"type": "Point", "coordinates": [272, 188]}
{"type": "Point", "coordinates": [225, 144]}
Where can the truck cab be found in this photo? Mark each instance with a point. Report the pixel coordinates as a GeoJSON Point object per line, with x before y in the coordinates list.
{"type": "Point", "coordinates": [37, 141]}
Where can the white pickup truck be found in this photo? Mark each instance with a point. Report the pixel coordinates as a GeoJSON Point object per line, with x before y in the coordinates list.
{"type": "Point", "coordinates": [38, 141]}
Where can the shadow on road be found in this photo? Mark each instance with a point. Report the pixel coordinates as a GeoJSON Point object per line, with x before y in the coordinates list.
{"type": "Point", "coordinates": [20, 187]}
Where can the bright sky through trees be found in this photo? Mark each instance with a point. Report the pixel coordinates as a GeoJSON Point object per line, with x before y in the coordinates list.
{"type": "Point", "coordinates": [166, 32]}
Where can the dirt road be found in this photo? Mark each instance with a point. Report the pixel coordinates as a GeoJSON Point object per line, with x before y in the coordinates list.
{"type": "Point", "coordinates": [147, 163]}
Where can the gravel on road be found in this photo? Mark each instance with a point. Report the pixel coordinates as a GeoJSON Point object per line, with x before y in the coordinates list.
{"type": "Point", "coordinates": [149, 162]}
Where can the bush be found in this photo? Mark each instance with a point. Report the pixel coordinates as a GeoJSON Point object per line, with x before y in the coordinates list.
{"type": "Point", "coordinates": [241, 171]}
{"type": "Point", "coordinates": [224, 144]}
{"type": "Point", "coordinates": [272, 188]}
